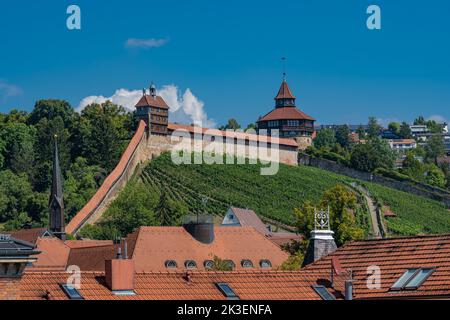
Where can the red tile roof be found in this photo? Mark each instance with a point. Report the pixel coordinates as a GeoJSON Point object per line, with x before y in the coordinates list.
{"type": "Point", "coordinates": [394, 257]}
{"type": "Point", "coordinates": [284, 92]}
{"type": "Point", "coordinates": [54, 255]}
{"type": "Point", "coordinates": [101, 193]}
{"type": "Point", "coordinates": [248, 285]}
{"type": "Point", "coordinates": [236, 135]}
{"type": "Point", "coordinates": [29, 235]}
{"type": "Point", "coordinates": [286, 113]}
{"type": "Point", "coordinates": [249, 218]}
{"type": "Point", "coordinates": [153, 246]}
{"type": "Point", "coordinates": [149, 101]}
{"type": "Point", "coordinates": [91, 258]}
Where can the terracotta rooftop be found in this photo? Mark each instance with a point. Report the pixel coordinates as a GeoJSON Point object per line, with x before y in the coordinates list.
{"type": "Point", "coordinates": [29, 235]}
{"type": "Point", "coordinates": [236, 135]}
{"type": "Point", "coordinates": [394, 257]}
{"type": "Point", "coordinates": [249, 218]}
{"type": "Point", "coordinates": [151, 247]}
{"type": "Point", "coordinates": [286, 113]}
{"type": "Point", "coordinates": [149, 101]}
{"type": "Point", "coordinates": [248, 285]}
{"type": "Point", "coordinates": [284, 92]}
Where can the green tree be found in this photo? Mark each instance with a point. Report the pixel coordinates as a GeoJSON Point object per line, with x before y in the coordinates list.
{"type": "Point", "coordinates": [304, 218]}
{"type": "Point", "coordinates": [374, 128]}
{"type": "Point", "coordinates": [18, 150]}
{"type": "Point", "coordinates": [220, 265]}
{"type": "Point", "coordinates": [103, 134]}
{"type": "Point", "coordinates": [375, 153]}
{"type": "Point", "coordinates": [168, 212]}
{"type": "Point", "coordinates": [132, 208]}
{"type": "Point", "coordinates": [342, 203]}
{"type": "Point", "coordinates": [394, 127]}
{"type": "Point", "coordinates": [342, 136]}
{"type": "Point", "coordinates": [15, 193]}
{"type": "Point", "coordinates": [434, 148]}
{"type": "Point", "coordinates": [435, 176]}
{"type": "Point", "coordinates": [405, 131]}
{"type": "Point", "coordinates": [419, 121]}
{"type": "Point", "coordinates": [232, 124]}
{"type": "Point", "coordinates": [326, 138]}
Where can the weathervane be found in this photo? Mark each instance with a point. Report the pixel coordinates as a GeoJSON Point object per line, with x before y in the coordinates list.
{"type": "Point", "coordinates": [284, 67]}
{"type": "Point", "coordinates": [322, 219]}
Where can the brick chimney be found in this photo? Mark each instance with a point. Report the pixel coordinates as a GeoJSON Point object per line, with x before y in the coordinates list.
{"type": "Point", "coordinates": [120, 274]}
{"type": "Point", "coordinates": [14, 257]}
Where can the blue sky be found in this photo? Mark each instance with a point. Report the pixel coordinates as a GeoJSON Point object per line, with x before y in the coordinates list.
{"type": "Point", "coordinates": [228, 54]}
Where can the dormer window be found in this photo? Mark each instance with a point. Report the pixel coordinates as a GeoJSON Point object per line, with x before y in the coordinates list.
{"type": "Point", "coordinates": [171, 264]}
{"type": "Point", "coordinates": [208, 264]}
{"type": "Point", "coordinates": [190, 264]}
{"type": "Point", "coordinates": [265, 263]}
{"type": "Point", "coordinates": [247, 264]}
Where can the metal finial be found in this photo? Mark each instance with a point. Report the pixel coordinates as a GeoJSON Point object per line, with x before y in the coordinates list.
{"type": "Point", "coordinates": [284, 67]}
{"type": "Point", "coordinates": [322, 219]}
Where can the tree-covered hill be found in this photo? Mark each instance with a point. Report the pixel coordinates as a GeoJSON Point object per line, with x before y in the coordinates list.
{"type": "Point", "coordinates": [90, 144]}
{"type": "Point", "coordinates": [274, 197]}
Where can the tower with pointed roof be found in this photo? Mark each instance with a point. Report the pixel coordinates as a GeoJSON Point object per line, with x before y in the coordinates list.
{"type": "Point", "coordinates": [154, 111]}
{"type": "Point", "coordinates": [288, 119]}
{"type": "Point", "coordinates": [56, 201]}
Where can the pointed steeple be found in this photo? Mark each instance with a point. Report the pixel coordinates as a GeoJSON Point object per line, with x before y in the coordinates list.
{"type": "Point", "coordinates": [285, 98]}
{"type": "Point", "coordinates": [56, 201]}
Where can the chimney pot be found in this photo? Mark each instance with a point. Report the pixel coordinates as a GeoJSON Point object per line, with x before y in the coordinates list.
{"type": "Point", "coordinates": [349, 290]}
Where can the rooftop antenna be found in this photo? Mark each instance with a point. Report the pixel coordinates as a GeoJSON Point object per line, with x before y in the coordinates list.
{"type": "Point", "coordinates": [284, 68]}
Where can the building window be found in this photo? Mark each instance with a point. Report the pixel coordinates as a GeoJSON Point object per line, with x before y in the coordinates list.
{"type": "Point", "coordinates": [273, 124]}
{"type": "Point", "coordinates": [171, 264]}
{"type": "Point", "coordinates": [190, 264]}
{"type": "Point", "coordinates": [230, 263]}
{"type": "Point", "coordinates": [265, 263]}
{"type": "Point", "coordinates": [247, 264]}
{"type": "Point", "coordinates": [209, 264]}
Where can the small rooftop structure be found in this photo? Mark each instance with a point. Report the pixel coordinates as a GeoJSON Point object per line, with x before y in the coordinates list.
{"type": "Point", "coordinates": [249, 218]}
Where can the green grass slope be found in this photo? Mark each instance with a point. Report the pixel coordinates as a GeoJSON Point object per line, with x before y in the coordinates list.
{"type": "Point", "coordinates": [276, 196]}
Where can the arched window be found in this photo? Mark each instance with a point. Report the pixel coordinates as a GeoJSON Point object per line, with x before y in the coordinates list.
{"type": "Point", "coordinates": [265, 264]}
{"type": "Point", "coordinates": [171, 264]}
{"type": "Point", "coordinates": [230, 263]}
{"type": "Point", "coordinates": [208, 264]}
{"type": "Point", "coordinates": [247, 264]}
{"type": "Point", "coordinates": [190, 264]}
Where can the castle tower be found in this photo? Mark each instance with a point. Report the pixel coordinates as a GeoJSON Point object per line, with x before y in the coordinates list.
{"type": "Point", "coordinates": [321, 242]}
{"type": "Point", "coordinates": [154, 111]}
{"type": "Point", "coordinates": [288, 119]}
{"type": "Point", "coordinates": [56, 201]}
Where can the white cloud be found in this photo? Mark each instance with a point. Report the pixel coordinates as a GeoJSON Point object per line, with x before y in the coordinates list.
{"type": "Point", "coordinates": [145, 43]}
{"type": "Point", "coordinates": [9, 89]}
{"type": "Point", "coordinates": [183, 109]}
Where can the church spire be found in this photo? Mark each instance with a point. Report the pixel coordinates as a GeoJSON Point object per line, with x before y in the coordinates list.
{"type": "Point", "coordinates": [56, 202]}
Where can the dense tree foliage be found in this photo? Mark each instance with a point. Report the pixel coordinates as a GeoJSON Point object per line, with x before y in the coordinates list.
{"type": "Point", "coordinates": [90, 145]}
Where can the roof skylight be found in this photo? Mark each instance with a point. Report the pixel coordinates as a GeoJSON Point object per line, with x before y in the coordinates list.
{"type": "Point", "coordinates": [71, 292]}
{"type": "Point", "coordinates": [412, 279]}
{"type": "Point", "coordinates": [323, 293]}
{"type": "Point", "coordinates": [227, 291]}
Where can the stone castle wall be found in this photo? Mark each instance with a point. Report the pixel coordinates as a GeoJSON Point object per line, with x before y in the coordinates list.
{"type": "Point", "coordinates": [143, 149]}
